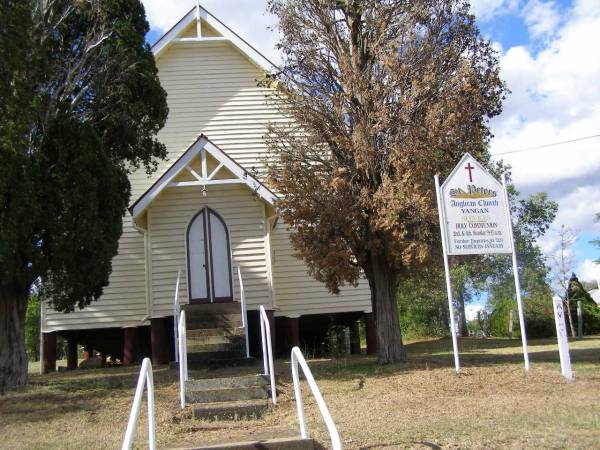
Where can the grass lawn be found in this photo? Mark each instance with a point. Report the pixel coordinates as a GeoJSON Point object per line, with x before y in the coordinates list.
{"type": "Point", "coordinates": [420, 404]}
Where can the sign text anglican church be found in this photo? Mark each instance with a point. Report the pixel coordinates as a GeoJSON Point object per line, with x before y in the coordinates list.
{"type": "Point", "coordinates": [475, 211]}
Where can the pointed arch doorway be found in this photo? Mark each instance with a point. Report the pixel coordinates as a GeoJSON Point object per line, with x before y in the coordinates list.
{"type": "Point", "coordinates": [208, 258]}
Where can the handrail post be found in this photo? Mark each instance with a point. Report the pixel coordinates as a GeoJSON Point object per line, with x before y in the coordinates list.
{"type": "Point", "coordinates": [176, 309]}
{"type": "Point", "coordinates": [244, 312]}
{"type": "Point", "coordinates": [298, 358]}
{"type": "Point", "coordinates": [263, 339]}
{"type": "Point", "coordinates": [267, 345]}
{"type": "Point", "coordinates": [183, 369]}
{"type": "Point", "coordinates": [145, 378]}
{"type": "Point", "coordinates": [298, 395]}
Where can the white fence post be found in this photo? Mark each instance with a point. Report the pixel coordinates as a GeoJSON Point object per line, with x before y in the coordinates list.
{"type": "Point", "coordinates": [147, 379]}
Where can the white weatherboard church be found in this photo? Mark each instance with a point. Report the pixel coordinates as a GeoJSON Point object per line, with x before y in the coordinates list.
{"type": "Point", "coordinates": [203, 213]}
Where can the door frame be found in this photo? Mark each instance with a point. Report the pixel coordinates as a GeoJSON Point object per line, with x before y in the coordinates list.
{"type": "Point", "coordinates": [205, 211]}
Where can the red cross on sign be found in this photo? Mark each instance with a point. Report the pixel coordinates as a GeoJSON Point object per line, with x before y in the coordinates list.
{"type": "Point", "coordinates": [470, 168]}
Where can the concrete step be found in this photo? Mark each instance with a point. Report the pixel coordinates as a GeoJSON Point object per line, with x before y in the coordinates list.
{"type": "Point", "coordinates": [230, 323]}
{"type": "Point", "coordinates": [214, 335]}
{"type": "Point", "coordinates": [220, 362]}
{"type": "Point", "coordinates": [295, 443]}
{"type": "Point", "coordinates": [240, 410]}
{"type": "Point", "coordinates": [201, 347]}
{"type": "Point", "coordinates": [212, 308]}
{"type": "Point", "coordinates": [225, 394]}
{"type": "Point", "coordinates": [208, 357]}
{"type": "Point", "coordinates": [258, 381]}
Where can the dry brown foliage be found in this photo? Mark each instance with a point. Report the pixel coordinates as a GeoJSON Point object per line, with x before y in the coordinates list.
{"type": "Point", "coordinates": [382, 95]}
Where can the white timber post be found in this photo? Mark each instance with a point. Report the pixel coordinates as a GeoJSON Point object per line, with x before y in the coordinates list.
{"type": "Point", "coordinates": [516, 276]}
{"type": "Point", "coordinates": [561, 336]}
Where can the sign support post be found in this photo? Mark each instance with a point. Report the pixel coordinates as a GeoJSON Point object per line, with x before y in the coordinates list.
{"type": "Point", "coordinates": [448, 282]}
{"type": "Point", "coordinates": [516, 275]}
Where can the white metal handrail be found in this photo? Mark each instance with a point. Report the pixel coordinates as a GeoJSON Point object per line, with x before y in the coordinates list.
{"type": "Point", "coordinates": [267, 350]}
{"type": "Point", "coordinates": [244, 312]}
{"type": "Point", "coordinates": [298, 358]}
{"type": "Point", "coordinates": [183, 362]}
{"type": "Point", "coordinates": [176, 310]}
{"type": "Point", "coordinates": [145, 378]}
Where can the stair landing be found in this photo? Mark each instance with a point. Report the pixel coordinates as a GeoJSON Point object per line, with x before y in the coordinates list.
{"type": "Point", "coordinates": [291, 443]}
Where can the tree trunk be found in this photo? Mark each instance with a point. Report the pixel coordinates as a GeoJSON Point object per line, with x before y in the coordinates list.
{"type": "Point", "coordinates": [383, 297]}
{"type": "Point", "coordinates": [570, 317]}
{"type": "Point", "coordinates": [13, 358]}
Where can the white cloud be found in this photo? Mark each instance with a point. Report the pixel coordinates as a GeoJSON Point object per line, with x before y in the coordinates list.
{"type": "Point", "coordinates": [556, 97]}
{"type": "Point", "coordinates": [588, 270]}
{"type": "Point", "coordinates": [485, 10]}
{"type": "Point", "coordinates": [540, 17]}
{"type": "Point", "coordinates": [248, 18]}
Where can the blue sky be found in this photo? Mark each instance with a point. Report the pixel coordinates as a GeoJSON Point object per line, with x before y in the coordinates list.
{"type": "Point", "coordinates": [549, 57]}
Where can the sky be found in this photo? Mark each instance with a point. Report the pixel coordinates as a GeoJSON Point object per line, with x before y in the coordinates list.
{"type": "Point", "coordinates": [549, 55]}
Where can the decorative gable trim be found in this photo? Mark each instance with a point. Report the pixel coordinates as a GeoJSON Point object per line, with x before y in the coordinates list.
{"type": "Point", "coordinates": [203, 147]}
{"type": "Point", "coordinates": [199, 12]}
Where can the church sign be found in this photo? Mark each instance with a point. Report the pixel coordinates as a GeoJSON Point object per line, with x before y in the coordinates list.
{"type": "Point", "coordinates": [475, 212]}
{"type": "Point", "coordinates": [475, 220]}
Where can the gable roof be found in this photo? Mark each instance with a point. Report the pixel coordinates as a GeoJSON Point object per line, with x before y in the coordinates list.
{"type": "Point", "coordinates": [202, 144]}
{"type": "Point", "coordinates": [199, 12]}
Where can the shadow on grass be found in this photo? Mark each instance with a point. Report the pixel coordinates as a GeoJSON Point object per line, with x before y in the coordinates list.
{"type": "Point", "coordinates": [77, 391]}
{"type": "Point", "coordinates": [438, 354]}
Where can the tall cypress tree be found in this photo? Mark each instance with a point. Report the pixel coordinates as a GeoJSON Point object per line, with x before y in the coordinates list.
{"type": "Point", "coordinates": [80, 107]}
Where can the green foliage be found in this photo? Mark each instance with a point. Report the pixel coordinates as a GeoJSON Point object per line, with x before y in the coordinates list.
{"type": "Point", "coordinates": [422, 304]}
{"type": "Point", "coordinates": [81, 105]}
{"type": "Point", "coordinates": [32, 328]}
{"type": "Point", "coordinates": [539, 314]}
{"type": "Point", "coordinates": [500, 318]}
{"type": "Point", "coordinates": [591, 311]}
{"type": "Point", "coordinates": [533, 216]}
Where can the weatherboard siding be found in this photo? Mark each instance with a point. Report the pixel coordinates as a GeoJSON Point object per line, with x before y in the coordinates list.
{"type": "Point", "coordinates": [212, 89]}
{"type": "Point", "coordinates": [123, 303]}
{"type": "Point", "coordinates": [299, 294]}
{"type": "Point", "coordinates": [168, 220]}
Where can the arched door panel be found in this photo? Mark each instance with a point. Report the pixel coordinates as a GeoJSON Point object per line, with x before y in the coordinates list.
{"type": "Point", "coordinates": [209, 258]}
{"type": "Point", "coordinates": [219, 258]}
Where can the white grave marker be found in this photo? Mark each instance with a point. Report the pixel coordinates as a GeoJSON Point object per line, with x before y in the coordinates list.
{"type": "Point", "coordinates": [561, 335]}
{"type": "Point", "coordinates": [475, 220]}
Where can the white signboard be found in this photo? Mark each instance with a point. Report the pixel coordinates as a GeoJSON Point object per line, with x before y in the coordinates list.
{"type": "Point", "coordinates": [475, 211]}
{"type": "Point", "coordinates": [561, 334]}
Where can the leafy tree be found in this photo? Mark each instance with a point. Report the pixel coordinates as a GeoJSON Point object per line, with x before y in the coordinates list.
{"type": "Point", "coordinates": [81, 105]}
{"type": "Point", "coordinates": [32, 328]}
{"type": "Point", "coordinates": [532, 217]}
{"type": "Point", "coordinates": [591, 312]}
{"type": "Point", "coordinates": [422, 304]}
{"type": "Point", "coordinates": [383, 94]}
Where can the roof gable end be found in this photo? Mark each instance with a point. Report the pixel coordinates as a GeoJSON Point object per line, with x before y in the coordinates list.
{"type": "Point", "coordinates": [199, 13]}
{"type": "Point", "coordinates": [201, 147]}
